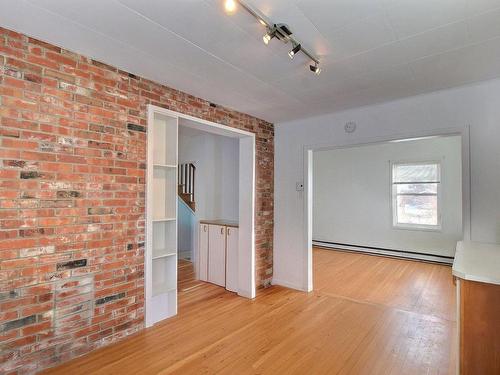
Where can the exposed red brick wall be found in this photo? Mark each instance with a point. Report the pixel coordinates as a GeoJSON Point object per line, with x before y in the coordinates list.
{"type": "Point", "coordinates": [72, 169]}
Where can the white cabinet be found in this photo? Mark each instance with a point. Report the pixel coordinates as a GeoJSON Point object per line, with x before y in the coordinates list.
{"type": "Point", "coordinates": [217, 254]}
{"type": "Point", "coordinates": [232, 259]}
{"type": "Point", "coordinates": [203, 253]}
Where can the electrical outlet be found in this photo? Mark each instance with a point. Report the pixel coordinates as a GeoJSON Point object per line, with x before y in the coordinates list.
{"type": "Point", "coordinates": [299, 186]}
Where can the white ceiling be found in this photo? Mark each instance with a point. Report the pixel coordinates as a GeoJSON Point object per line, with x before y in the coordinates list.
{"type": "Point", "coordinates": [370, 50]}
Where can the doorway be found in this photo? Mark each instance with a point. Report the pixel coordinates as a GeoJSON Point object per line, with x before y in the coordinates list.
{"type": "Point", "coordinates": [208, 192]}
{"type": "Point", "coordinates": [323, 235]}
{"type": "Point", "coordinates": [161, 284]}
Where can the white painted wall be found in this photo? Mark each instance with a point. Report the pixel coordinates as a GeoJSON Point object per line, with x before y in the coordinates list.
{"type": "Point", "coordinates": [352, 195]}
{"type": "Point", "coordinates": [216, 159]}
{"type": "Point", "coordinates": [475, 105]}
{"type": "Point", "coordinates": [185, 230]}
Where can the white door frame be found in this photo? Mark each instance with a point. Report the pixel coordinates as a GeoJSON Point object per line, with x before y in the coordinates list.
{"type": "Point", "coordinates": [464, 132]}
{"type": "Point", "coordinates": [246, 242]}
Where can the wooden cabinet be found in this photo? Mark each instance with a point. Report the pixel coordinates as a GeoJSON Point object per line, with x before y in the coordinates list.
{"type": "Point", "coordinates": [477, 269]}
{"type": "Point", "coordinates": [479, 325]}
{"type": "Point", "coordinates": [218, 254]}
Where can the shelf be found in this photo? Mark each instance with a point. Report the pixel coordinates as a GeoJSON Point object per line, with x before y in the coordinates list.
{"type": "Point", "coordinates": [164, 197]}
{"type": "Point", "coordinates": [164, 219]}
{"type": "Point", "coordinates": [164, 274]}
{"type": "Point", "coordinates": [162, 289]}
{"type": "Point", "coordinates": [165, 141]}
{"type": "Point", "coordinates": [160, 256]}
{"type": "Point", "coordinates": [164, 166]}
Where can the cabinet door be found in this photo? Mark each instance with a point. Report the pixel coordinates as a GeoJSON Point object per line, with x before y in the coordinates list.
{"type": "Point", "coordinates": [232, 259]}
{"type": "Point", "coordinates": [217, 254]}
{"type": "Point", "coordinates": [203, 253]}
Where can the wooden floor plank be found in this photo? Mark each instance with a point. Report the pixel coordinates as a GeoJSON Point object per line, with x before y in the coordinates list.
{"type": "Point", "coordinates": [367, 315]}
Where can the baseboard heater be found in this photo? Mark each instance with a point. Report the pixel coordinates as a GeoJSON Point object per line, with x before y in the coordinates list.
{"type": "Point", "coordinates": [386, 252]}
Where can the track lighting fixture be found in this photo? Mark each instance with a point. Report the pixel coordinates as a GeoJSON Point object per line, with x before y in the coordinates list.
{"type": "Point", "coordinates": [230, 6]}
{"type": "Point", "coordinates": [279, 31]}
{"type": "Point", "coordinates": [315, 68]}
{"type": "Point", "coordinates": [294, 50]}
{"type": "Point", "coordinates": [267, 37]}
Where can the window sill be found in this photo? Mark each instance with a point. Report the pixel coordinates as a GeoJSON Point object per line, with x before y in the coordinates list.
{"type": "Point", "coordinates": [419, 228]}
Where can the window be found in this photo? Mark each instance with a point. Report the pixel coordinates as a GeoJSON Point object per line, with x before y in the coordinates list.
{"type": "Point", "coordinates": [416, 194]}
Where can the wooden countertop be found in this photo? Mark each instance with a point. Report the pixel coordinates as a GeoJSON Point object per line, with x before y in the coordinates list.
{"type": "Point", "coordinates": [476, 261]}
{"type": "Point", "coordinates": [227, 223]}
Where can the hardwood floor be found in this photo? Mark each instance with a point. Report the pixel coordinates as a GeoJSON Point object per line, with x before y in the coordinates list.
{"type": "Point", "coordinates": [367, 315]}
{"type": "Point", "coordinates": [186, 278]}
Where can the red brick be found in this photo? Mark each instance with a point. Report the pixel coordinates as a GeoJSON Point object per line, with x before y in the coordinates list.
{"type": "Point", "coordinates": [60, 59]}
{"type": "Point", "coordinates": [42, 61]}
{"type": "Point", "coordinates": [19, 104]}
{"type": "Point", "coordinates": [35, 328]}
{"type": "Point", "coordinates": [19, 144]}
{"type": "Point", "coordinates": [7, 173]}
{"type": "Point", "coordinates": [17, 244]}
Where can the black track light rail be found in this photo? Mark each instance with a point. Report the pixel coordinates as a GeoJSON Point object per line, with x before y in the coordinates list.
{"type": "Point", "coordinates": [273, 28]}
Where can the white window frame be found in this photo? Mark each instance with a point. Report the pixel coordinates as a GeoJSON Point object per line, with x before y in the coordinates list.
{"type": "Point", "coordinates": [394, 210]}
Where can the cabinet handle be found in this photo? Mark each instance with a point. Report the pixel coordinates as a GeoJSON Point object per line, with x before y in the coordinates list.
{"type": "Point", "coordinates": [222, 230]}
{"type": "Point", "coordinates": [228, 231]}
{"type": "Point", "coordinates": [204, 228]}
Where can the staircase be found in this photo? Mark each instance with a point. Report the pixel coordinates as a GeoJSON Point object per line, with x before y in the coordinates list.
{"type": "Point", "coordinates": [186, 184]}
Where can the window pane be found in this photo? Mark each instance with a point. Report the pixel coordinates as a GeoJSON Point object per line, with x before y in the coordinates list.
{"type": "Point", "coordinates": [420, 210]}
{"type": "Point", "coordinates": [416, 173]}
{"type": "Point", "coordinates": [416, 188]}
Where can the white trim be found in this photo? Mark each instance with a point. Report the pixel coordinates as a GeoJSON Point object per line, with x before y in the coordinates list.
{"type": "Point", "coordinates": [308, 150]}
{"type": "Point", "coordinates": [287, 284]}
{"type": "Point", "coordinates": [148, 246]}
{"type": "Point", "coordinates": [246, 230]}
{"type": "Point", "coordinates": [459, 319]}
{"type": "Point", "coordinates": [308, 208]}
{"type": "Point", "coordinates": [181, 115]}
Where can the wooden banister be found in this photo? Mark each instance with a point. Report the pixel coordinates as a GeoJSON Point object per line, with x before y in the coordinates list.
{"type": "Point", "coordinates": [186, 175]}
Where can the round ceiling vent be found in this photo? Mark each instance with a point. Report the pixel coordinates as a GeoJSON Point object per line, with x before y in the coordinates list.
{"type": "Point", "coordinates": [350, 127]}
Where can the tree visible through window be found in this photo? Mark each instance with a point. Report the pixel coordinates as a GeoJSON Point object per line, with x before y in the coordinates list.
{"type": "Point", "coordinates": [416, 195]}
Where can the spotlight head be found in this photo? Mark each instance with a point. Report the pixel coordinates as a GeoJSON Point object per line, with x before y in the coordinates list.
{"type": "Point", "coordinates": [315, 69]}
{"type": "Point", "coordinates": [266, 38]}
{"type": "Point", "coordinates": [230, 6]}
{"type": "Point", "coordinates": [294, 50]}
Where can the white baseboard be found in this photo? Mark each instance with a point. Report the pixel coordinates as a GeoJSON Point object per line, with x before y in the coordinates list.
{"type": "Point", "coordinates": [392, 254]}
{"type": "Point", "coordinates": [287, 284]}
{"type": "Point", "coordinates": [246, 293]}
{"type": "Point", "coordinates": [185, 254]}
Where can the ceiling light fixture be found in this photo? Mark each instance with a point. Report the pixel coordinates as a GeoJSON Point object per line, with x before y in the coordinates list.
{"type": "Point", "coordinates": [315, 68]}
{"type": "Point", "coordinates": [230, 6]}
{"type": "Point", "coordinates": [267, 37]}
{"type": "Point", "coordinates": [294, 50]}
{"type": "Point", "coordinates": [279, 31]}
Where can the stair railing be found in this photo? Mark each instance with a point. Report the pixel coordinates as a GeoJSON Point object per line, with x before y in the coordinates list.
{"type": "Point", "coordinates": [186, 177]}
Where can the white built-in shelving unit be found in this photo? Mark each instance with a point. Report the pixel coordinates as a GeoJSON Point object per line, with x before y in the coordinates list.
{"type": "Point", "coordinates": [160, 268]}
{"type": "Point", "coordinates": [161, 217]}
